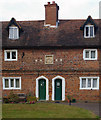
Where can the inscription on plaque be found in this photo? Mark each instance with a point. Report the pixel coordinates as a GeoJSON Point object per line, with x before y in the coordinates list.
{"type": "Point", "coordinates": [49, 59]}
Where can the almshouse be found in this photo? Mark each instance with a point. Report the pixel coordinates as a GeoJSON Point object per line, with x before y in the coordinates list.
{"type": "Point", "coordinates": [52, 58]}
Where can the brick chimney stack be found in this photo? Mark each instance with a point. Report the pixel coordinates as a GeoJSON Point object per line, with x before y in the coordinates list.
{"type": "Point", "coordinates": [51, 14]}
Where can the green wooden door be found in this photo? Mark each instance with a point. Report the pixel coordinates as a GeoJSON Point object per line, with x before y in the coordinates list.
{"type": "Point", "coordinates": [42, 89]}
{"type": "Point", "coordinates": [58, 89]}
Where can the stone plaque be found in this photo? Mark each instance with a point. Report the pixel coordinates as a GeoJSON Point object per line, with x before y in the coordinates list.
{"type": "Point", "coordinates": [49, 59]}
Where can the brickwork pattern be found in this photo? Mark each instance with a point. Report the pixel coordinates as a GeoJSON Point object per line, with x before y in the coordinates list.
{"type": "Point", "coordinates": [71, 67]}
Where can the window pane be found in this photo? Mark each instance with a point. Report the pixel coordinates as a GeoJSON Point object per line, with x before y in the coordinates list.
{"type": "Point", "coordinates": [8, 55]}
{"type": "Point", "coordinates": [11, 33]}
{"type": "Point", "coordinates": [92, 54]}
{"type": "Point", "coordinates": [15, 33]}
{"type": "Point", "coordinates": [87, 54]}
{"type": "Point", "coordinates": [94, 82]}
{"type": "Point", "coordinates": [17, 83]}
{"type": "Point", "coordinates": [89, 82]}
{"type": "Point", "coordinates": [12, 82]}
{"type": "Point", "coordinates": [6, 83]}
{"type": "Point", "coordinates": [83, 83]}
{"type": "Point", "coordinates": [91, 31]}
{"type": "Point", "coordinates": [13, 55]}
{"type": "Point", "coordinates": [87, 31]}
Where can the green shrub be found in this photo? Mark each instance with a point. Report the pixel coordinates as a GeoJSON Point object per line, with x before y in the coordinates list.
{"type": "Point", "coordinates": [31, 98]}
{"type": "Point", "coordinates": [69, 97]}
{"type": "Point", "coordinates": [13, 97]}
{"type": "Point", "coordinates": [5, 100]}
{"type": "Point", "coordinates": [30, 94]}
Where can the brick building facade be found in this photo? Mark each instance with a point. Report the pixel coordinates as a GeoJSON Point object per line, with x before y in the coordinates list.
{"type": "Point", "coordinates": [53, 58]}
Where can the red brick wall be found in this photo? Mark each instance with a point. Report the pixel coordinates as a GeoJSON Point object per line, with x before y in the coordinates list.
{"type": "Point", "coordinates": [72, 59]}
{"type": "Point", "coordinates": [51, 14]}
{"type": "Point", "coordinates": [72, 84]}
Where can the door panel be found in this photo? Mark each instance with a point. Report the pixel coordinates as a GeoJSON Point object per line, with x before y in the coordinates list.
{"type": "Point", "coordinates": [42, 89]}
{"type": "Point", "coordinates": [58, 89]}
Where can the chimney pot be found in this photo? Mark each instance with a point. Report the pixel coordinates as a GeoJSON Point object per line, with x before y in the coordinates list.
{"type": "Point", "coordinates": [48, 3]}
{"type": "Point", "coordinates": [53, 2]}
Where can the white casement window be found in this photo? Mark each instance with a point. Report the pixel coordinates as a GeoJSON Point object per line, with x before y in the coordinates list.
{"type": "Point", "coordinates": [13, 32]}
{"type": "Point", "coordinates": [11, 82]}
{"type": "Point", "coordinates": [10, 55]}
{"type": "Point", "coordinates": [89, 83]}
{"type": "Point", "coordinates": [89, 31]}
{"type": "Point", "coordinates": [90, 54]}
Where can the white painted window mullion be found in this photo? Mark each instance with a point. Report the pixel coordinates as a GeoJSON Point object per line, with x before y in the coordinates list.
{"type": "Point", "coordinates": [96, 54]}
{"type": "Point", "coordinates": [14, 83]}
{"type": "Point", "coordinates": [5, 55]}
{"type": "Point", "coordinates": [10, 55]}
{"type": "Point", "coordinates": [86, 82]}
{"type": "Point", "coordinates": [17, 33]}
{"type": "Point", "coordinates": [13, 32]}
{"type": "Point", "coordinates": [9, 83]}
{"type": "Point", "coordinates": [16, 55]}
{"type": "Point", "coordinates": [3, 83]}
{"type": "Point", "coordinates": [20, 83]}
{"type": "Point", "coordinates": [91, 83]}
{"type": "Point", "coordinates": [80, 83]}
{"type": "Point", "coordinates": [89, 31]}
{"type": "Point", "coordinates": [93, 31]}
{"type": "Point", "coordinates": [85, 31]}
{"type": "Point", "coordinates": [98, 83]}
{"type": "Point", "coordinates": [89, 54]}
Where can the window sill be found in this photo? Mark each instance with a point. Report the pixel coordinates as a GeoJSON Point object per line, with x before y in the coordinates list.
{"type": "Point", "coordinates": [13, 38]}
{"type": "Point", "coordinates": [90, 59]}
{"type": "Point", "coordinates": [89, 37]}
{"type": "Point", "coordinates": [89, 88]}
{"type": "Point", "coordinates": [11, 88]}
{"type": "Point", "coordinates": [10, 59]}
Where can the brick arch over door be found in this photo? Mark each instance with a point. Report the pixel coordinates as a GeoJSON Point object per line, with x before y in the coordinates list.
{"type": "Point", "coordinates": [37, 87]}
{"type": "Point", "coordinates": [63, 87]}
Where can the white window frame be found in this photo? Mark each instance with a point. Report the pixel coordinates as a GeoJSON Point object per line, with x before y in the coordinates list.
{"type": "Point", "coordinates": [89, 31]}
{"type": "Point", "coordinates": [89, 88]}
{"type": "Point", "coordinates": [13, 33]}
{"type": "Point", "coordinates": [96, 54]}
{"type": "Point", "coordinates": [5, 55]}
{"type": "Point", "coordinates": [10, 88]}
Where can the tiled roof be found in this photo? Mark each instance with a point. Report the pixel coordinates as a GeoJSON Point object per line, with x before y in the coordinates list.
{"type": "Point", "coordinates": [35, 34]}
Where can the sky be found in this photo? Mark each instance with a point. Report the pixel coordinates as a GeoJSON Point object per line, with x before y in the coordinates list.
{"type": "Point", "coordinates": [34, 9]}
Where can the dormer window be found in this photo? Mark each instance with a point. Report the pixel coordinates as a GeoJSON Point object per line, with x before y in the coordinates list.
{"type": "Point", "coordinates": [89, 28]}
{"type": "Point", "coordinates": [89, 31]}
{"type": "Point", "coordinates": [13, 32]}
